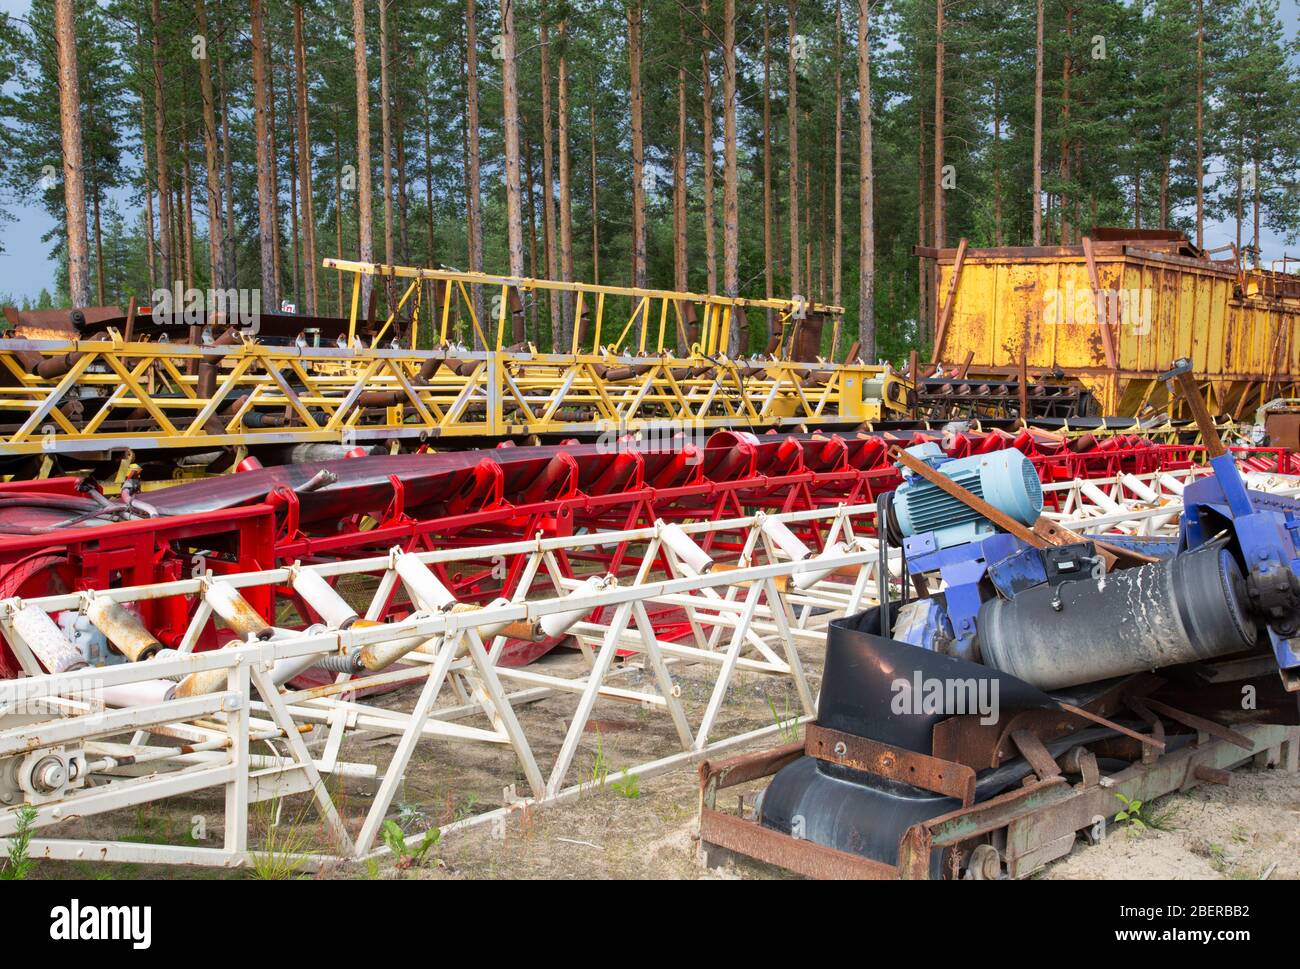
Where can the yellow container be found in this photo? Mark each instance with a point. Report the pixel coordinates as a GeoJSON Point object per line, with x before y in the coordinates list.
{"type": "Point", "coordinates": [1115, 312]}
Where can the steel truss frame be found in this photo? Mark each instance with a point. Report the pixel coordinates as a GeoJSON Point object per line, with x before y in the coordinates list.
{"type": "Point", "coordinates": [743, 619]}
{"type": "Point", "coordinates": [109, 394]}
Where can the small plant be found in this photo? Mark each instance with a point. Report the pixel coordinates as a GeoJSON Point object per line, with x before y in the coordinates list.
{"type": "Point", "coordinates": [788, 724]}
{"type": "Point", "coordinates": [599, 765]}
{"type": "Point", "coordinates": [629, 786]}
{"type": "Point", "coordinates": [467, 809]}
{"type": "Point", "coordinates": [17, 862]}
{"type": "Point", "coordinates": [281, 857]}
{"type": "Point", "coordinates": [1139, 817]}
{"type": "Point", "coordinates": [408, 857]}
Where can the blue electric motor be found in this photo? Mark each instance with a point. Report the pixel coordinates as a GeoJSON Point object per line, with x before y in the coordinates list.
{"type": "Point", "coordinates": [1005, 479]}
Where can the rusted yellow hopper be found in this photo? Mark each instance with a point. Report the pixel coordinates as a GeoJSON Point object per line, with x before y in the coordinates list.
{"type": "Point", "coordinates": [1113, 313]}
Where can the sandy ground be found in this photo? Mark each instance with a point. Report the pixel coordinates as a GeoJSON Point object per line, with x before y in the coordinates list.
{"type": "Point", "coordinates": [1250, 829]}
{"type": "Point", "coordinates": [646, 830]}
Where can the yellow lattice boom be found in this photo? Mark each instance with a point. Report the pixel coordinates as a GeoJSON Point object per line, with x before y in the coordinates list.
{"type": "Point", "coordinates": [664, 364]}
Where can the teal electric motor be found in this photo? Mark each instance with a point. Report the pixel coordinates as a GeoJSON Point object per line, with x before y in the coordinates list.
{"type": "Point", "coordinates": [1005, 479]}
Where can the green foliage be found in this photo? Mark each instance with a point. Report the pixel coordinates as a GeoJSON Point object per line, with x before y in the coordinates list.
{"type": "Point", "coordinates": [406, 855]}
{"type": "Point", "coordinates": [280, 856]}
{"type": "Point", "coordinates": [599, 765]}
{"type": "Point", "coordinates": [1139, 817]}
{"type": "Point", "coordinates": [18, 864]}
{"type": "Point", "coordinates": [629, 786]}
{"type": "Point", "coordinates": [787, 722]}
{"type": "Point", "coordinates": [1117, 149]}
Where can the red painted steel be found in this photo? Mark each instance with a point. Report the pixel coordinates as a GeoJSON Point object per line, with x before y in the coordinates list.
{"type": "Point", "coordinates": [262, 517]}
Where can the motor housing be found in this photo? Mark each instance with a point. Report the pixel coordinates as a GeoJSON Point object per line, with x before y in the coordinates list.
{"type": "Point", "coordinates": [1005, 479]}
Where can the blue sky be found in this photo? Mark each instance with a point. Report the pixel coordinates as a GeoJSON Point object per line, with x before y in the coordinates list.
{"type": "Point", "coordinates": [25, 266]}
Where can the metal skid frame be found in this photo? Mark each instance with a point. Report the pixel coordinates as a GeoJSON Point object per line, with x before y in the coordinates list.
{"type": "Point", "coordinates": [1022, 830]}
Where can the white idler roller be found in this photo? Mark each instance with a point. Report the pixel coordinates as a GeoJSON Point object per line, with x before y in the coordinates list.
{"type": "Point", "coordinates": [689, 554]}
{"type": "Point", "coordinates": [320, 595]}
{"type": "Point", "coordinates": [422, 584]}
{"type": "Point", "coordinates": [1170, 483]}
{"type": "Point", "coordinates": [784, 539]}
{"type": "Point", "coordinates": [813, 570]}
{"type": "Point", "coordinates": [236, 611]}
{"type": "Point", "coordinates": [46, 640]}
{"type": "Point", "coordinates": [1148, 494]}
{"type": "Point", "coordinates": [122, 628]}
{"type": "Point", "coordinates": [559, 623]}
{"type": "Point", "coordinates": [1099, 498]}
{"type": "Point", "coordinates": [490, 629]}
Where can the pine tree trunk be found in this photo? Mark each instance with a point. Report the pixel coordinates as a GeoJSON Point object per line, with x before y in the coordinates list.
{"type": "Point", "coordinates": [679, 184]}
{"type": "Point", "coordinates": [710, 219]}
{"type": "Point", "coordinates": [514, 196]}
{"type": "Point", "coordinates": [638, 147]}
{"type": "Point", "coordinates": [473, 173]}
{"type": "Point", "coordinates": [187, 198]}
{"type": "Point", "coordinates": [940, 227]}
{"type": "Point", "coordinates": [216, 243]}
{"type": "Point", "coordinates": [527, 172]}
{"type": "Point", "coordinates": [566, 194]}
{"type": "Point", "coordinates": [160, 142]}
{"type": "Point", "coordinates": [768, 236]}
{"type": "Point", "coordinates": [550, 242]}
{"type": "Point", "coordinates": [922, 233]}
{"type": "Point", "coordinates": [1254, 171]}
{"type": "Point", "coordinates": [825, 219]}
{"type": "Point", "coordinates": [739, 337]}
{"type": "Point", "coordinates": [365, 225]}
{"type": "Point", "coordinates": [99, 247]}
{"type": "Point", "coordinates": [295, 236]}
{"type": "Point", "coordinates": [386, 137]}
{"type": "Point", "coordinates": [792, 121]}
{"type": "Point", "coordinates": [1200, 124]}
{"type": "Point", "coordinates": [837, 245]}
{"type": "Point", "coordinates": [144, 176]}
{"type": "Point", "coordinates": [1137, 197]}
{"type": "Point", "coordinates": [1038, 131]}
{"type": "Point", "coordinates": [227, 167]}
{"type": "Point", "coordinates": [1064, 169]}
{"type": "Point", "coordinates": [265, 159]}
{"type": "Point", "coordinates": [403, 203]}
{"type": "Point", "coordinates": [866, 193]}
{"type": "Point", "coordinates": [308, 219]}
{"type": "Point", "coordinates": [275, 163]}
{"type": "Point", "coordinates": [807, 230]}
{"type": "Point", "coordinates": [432, 259]}
{"type": "Point", "coordinates": [595, 207]}
{"type": "Point", "coordinates": [1241, 165]}
{"type": "Point", "coordinates": [338, 215]}
{"type": "Point", "coordinates": [997, 160]}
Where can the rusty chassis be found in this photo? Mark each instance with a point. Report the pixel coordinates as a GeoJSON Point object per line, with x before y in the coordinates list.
{"type": "Point", "coordinates": [1013, 834]}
